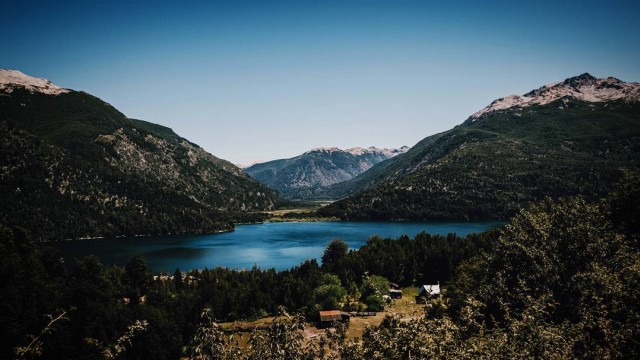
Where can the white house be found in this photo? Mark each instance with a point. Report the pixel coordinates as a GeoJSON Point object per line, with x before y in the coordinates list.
{"type": "Point", "coordinates": [429, 291]}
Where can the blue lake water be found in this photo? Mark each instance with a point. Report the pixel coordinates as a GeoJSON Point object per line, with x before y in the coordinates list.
{"type": "Point", "coordinates": [270, 245]}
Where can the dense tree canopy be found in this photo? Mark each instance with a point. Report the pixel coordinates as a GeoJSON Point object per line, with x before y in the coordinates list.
{"type": "Point", "coordinates": [333, 253]}
{"type": "Point", "coordinates": [561, 280]}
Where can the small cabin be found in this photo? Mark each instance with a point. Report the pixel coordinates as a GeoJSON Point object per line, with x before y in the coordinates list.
{"type": "Point", "coordinates": [330, 317]}
{"type": "Point", "coordinates": [428, 291]}
{"type": "Point", "coordinates": [395, 293]}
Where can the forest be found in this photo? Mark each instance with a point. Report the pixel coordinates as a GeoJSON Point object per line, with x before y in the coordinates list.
{"type": "Point", "coordinates": [495, 166]}
{"type": "Point", "coordinates": [561, 280]}
{"type": "Point", "coordinates": [73, 167]}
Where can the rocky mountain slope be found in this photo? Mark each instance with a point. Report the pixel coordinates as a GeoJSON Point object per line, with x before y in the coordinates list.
{"type": "Point", "coordinates": [305, 176]}
{"type": "Point", "coordinates": [582, 88]}
{"type": "Point", "coordinates": [73, 166]}
{"type": "Point", "coordinates": [567, 138]}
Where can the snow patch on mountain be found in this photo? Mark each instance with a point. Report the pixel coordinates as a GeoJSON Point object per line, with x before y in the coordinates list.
{"type": "Point", "coordinates": [318, 168]}
{"type": "Point", "coordinates": [11, 79]}
{"type": "Point", "coordinates": [359, 151]}
{"type": "Point", "coordinates": [249, 164]}
{"type": "Point", "coordinates": [324, 149]}
{"type": "Point", "coordinates": [583, 87]}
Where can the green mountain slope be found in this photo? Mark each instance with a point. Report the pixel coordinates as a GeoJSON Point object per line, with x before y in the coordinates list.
{"type": "Point", "coordinates": [379, 172]}
{"type": "Point", "coordinates": [494, 164]}
{"type": "Point", "coordinates": [73, 166]}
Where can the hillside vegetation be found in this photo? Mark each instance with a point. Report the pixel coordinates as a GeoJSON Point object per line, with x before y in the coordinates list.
{"type": "Point", "coordinates": [491, 167]}
{"type": "Point", "coordinates": [73, 166]}
{"type": "Point", "coordinates": [559, 281]}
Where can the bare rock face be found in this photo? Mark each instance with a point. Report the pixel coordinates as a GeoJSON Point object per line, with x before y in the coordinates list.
{"type": "Point", "coordinates": [11, 79]}
{"type": "Point", "coordinates": [318, 168]}
{"type": "Point", "coordinates": [583, 88]}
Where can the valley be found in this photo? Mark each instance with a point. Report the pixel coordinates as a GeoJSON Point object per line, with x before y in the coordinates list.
{"type": "Point", "coordinates": [319, 180]}
{"type": "Point", "coordinates": [525, 214]}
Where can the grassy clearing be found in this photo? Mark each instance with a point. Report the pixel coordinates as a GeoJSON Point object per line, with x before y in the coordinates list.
{"type": "Point", "coordinates": [281, 212]}
{"type": "Point", "coordinates": [406, 308]}
{"type": "Point", "coordinates": [300, 211]}
{"type": "Point", "coordinates": [298, 207]}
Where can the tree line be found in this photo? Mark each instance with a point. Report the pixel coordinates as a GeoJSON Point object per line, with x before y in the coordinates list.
{"type": "Point", "coordinates": [560, 280]}
{"type": "Point", "coordinates": [101, 302]}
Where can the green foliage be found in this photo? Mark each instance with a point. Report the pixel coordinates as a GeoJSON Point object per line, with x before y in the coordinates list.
{"type": "Point", "coordinates": [138, 277]}
{"type": "Point", "coordinates": [423, 260]}
{"type": "Point", "coordinates": [373, 302]}
{"type": "Point", "coordinates": [493, 167]}
{"type": "Point", "coordinates": [372, 290]}
{"type": "Point", "coordinates": [281, 340]}
{"type": "Point", "coordinates": [374, 285]}
{"type": "Point", "coordinates": [330, 295]}
{"type": "Point", "coordinates": [171, 310]}
{"type": "Point", "coordinates": [333, 253]}
{"type": "Point", "coordinates": [123, 342]}
{"type": "Point", "coordinates": [211, 343]}
{"type": "Point", "coordinates": [625, 205]}
{"type": "Point", "coordinates": [562, 280]}
{"type": "Point", "coordinates": [75, 167]}
{"type": "Point", "coordinates": [30, 288]}
{"type": "Point", "coordinates": [177, 279]}
{"type": "Point", "coordinates": [34, 348]}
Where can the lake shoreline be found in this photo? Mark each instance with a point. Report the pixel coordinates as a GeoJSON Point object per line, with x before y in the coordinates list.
{"type": "Point", "coordinates": [278, 245]}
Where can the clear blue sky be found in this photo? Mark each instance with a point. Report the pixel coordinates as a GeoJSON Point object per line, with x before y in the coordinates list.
{"type": "Point", "coordinates": [271, 79]}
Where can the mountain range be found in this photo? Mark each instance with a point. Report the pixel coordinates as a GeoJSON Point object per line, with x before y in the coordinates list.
{"type": "Point", "coordinates": [73, 166]}
{"type": "Point", "coordinates": [306, 175]}
{"type": "Point", "coordinates": [572, 137]}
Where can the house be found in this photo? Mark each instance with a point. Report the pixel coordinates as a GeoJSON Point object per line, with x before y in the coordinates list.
{"type": "Point", "coordinates": [329, 317]}
{"type": "Point", "coordinates": [429, 291]}
{"type": "Point", "coordinates": [395, 293]}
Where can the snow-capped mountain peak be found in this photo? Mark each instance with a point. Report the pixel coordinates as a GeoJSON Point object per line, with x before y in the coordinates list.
{"type": "Point", "coordinates": [582, 87]}
{"type": "Point", "coordinates": [10, 79]}
{"type": "Point", "coordinates": [324, 149]}
{"type": "Point", "coordinates": [359, 151]}
{"type": "Point", "coordinates": [301, 176]}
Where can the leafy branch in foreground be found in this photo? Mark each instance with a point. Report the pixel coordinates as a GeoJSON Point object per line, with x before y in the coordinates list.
{"type": "Point", "coordinates": [124, 341]}
{"type": "Point", "coordinates": [35, 346]}
{"type": "Point", "coordinates": [210, 343]}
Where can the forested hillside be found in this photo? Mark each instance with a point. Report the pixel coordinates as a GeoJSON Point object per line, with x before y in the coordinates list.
{"type": "Point", "coordinates": [501, 159]}
{"type": "Point", "coordinates": [559, 281]}
{"type": "Point", "coordinates": [73, 167]}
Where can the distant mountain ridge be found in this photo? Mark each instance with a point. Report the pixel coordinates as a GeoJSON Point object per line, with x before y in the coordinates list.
{"type": "Point", "coordinates": [302, 176]}
{"type": "Point", "coordinates": [583, 87]}
{"type": "Point", "coordinates": [568, 138]}
{"type": "Point", "coordinates": [73, 167]}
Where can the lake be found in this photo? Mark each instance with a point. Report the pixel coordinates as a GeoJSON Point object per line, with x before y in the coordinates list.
{"type": "Point", "coordinates": [270, 245]}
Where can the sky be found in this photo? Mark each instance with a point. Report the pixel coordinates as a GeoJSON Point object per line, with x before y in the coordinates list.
{"type": "Point", "coordinates": [262, 80]}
